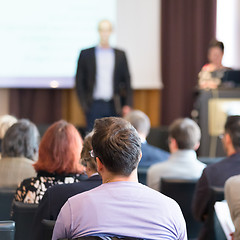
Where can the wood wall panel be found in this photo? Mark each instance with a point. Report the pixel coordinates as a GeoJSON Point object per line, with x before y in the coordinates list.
{"type": "Point", "coordinates": [71, 109]}
{"type": "Point", "coordinates": [148, 101]}
{"type": "Point", "coordinates": [4, 101]}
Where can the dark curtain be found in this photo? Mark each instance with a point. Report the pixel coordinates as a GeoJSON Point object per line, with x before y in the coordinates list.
{"type": "Point", "coordinates": [187, 28]}
{"type": "Point", "coordinates": [41, 106]}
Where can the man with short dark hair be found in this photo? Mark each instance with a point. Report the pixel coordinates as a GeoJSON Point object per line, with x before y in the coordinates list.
{"type": "Point", "coordinates": [150, 154]}
{"type": "Point", "coordinates": [216, 174]}
{"type": "Point", "coordinates": [184, 140]}
{"type": "Point", "coordinates": [120, 206]}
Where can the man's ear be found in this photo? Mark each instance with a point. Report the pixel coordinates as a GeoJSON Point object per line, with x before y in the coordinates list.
{"type": "Point", "coordinates": [99, 165]}
{"type": "Point", "coordinates": [196, 146]}
{"type": "Point", "coordinates": [172, 144]}
{"type": "Point", "coordinates": [140, 156]}
{"type": "Point", "coordinates": [227, 139]}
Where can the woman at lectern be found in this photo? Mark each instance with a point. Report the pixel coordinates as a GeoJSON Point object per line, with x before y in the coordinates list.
{"type": "Point", "coordinates": [212, 72]}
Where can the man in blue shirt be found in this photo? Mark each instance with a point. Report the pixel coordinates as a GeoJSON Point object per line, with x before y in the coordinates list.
{"type": "Point", "coordinates": [150, 154]}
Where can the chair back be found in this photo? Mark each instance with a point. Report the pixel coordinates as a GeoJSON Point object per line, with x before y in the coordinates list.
{"type": "Point", "coordinates": [142, 175]}
{"type": "Point", "coordinates": [158, 137]}
{"type": "Point", "coordinates": [48, 226]}
{"type": "Point", "coordinates": [210, 160]}
{"type": "Point", "coordinates": [23, 215]}
{"type": "Point", "coordinates": [217, 194]}
{"type": "Point", "coordinates": [182, 190]}
{"type": "Point", "coordinates": [105, 237]}
{"type": "Point", "coordinates": [6, 198]}
{"type": "Point", "coordinates": [7, 229]}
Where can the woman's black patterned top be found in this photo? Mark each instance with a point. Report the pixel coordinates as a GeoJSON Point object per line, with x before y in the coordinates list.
{"type": "Point", "coordinates": [31, 190]}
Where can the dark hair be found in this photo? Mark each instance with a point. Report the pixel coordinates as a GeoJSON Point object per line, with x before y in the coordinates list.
{"type": "Point", "coordinates": [232, 127]}
{"type": "Point", "coordinates": [117, 144]}
{"type": "Point", "coordinates": [216, 43]}
{"type": "Point", "coordinates": [60, 149]}
{"type": "Point", "coordinates": [21, 140]}
{"type": "Point", "coordinates": [186, 133]}
{"type": "Point", "coordinates": [86, 158]}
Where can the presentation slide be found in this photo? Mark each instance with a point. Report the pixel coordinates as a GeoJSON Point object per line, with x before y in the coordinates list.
{"type": "Point", "coordinates": [41, 39]}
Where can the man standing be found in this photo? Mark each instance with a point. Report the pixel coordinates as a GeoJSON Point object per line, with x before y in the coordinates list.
{"type": "Point", "coordinates": [103, 79]}
{"type": "Point", "coordinates": [120, 206]}
{"type": "Point", "coordinates": [216, 174]}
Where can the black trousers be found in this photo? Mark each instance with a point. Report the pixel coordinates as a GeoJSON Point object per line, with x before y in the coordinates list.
{"type": "Point", "coordinates": [99, 109]}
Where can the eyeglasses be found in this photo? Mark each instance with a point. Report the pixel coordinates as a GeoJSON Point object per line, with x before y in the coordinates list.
{"type": "Point", "coordinates": [221, 136]}
{"type": "Point", "coordinates": [92, 154]}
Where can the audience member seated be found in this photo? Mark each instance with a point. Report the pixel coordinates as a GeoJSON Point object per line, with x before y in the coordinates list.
{"type": "Point", "coordinates": [120, 206]}
{"type": "Point", "coordinates": [6, 121]}
{"type": "Point", "coordinates": [211, 73]}
{"type": "Point", "coordinates": [232, 195]}
{"type": "Point", "coordinates": [19, 151]}
{"type": "Point", "coordinates": [216, 174]}
{"type": "Point", "coordinates": [150, 154]}
{"type": "Point", "coordinates": [57, 195]}
{"type": "Point", "coordinates": [184, 140]}
{"type": "Point", "coordinates": [58, 162]}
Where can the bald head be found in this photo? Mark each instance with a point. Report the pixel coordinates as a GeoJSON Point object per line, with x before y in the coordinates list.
{"type": "Point", "coordinates": [104, 24]}
{"type": "Point", "coordinates": [105, 30]}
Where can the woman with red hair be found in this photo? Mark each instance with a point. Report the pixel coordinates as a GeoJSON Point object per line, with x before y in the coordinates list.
{"type": "Point", "coordinates": [58, 162]}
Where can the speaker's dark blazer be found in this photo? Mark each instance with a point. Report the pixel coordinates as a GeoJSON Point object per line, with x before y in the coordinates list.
{"type": "Point", "coordinates": [55, 197]}
{"type": "Point", "coordinates": [86, 78]}
{"type": "Point", "coordinates": [152, 155]}
{"type": "Point", "coordinates": [214, 175]}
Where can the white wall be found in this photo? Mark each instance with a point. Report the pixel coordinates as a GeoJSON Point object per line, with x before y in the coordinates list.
{"type": "Point", "coordinates": [228, 31]}
{"type": "Point", "coordinates": [138, 33]}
